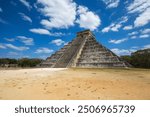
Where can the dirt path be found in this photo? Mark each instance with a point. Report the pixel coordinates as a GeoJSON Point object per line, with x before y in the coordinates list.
{"type": "Point", "coordinates": [75, 84]}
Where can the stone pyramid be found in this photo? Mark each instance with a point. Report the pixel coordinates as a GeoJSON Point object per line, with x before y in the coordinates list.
{"type": "Point", "coordinates": [85, 52]}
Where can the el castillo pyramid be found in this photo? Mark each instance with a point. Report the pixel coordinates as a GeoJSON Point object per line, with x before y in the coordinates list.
{"type": "Point", "coordinates": [84, 51]}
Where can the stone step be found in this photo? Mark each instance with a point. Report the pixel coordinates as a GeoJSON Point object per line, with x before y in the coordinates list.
{"type": "Point", "coordinates": [52, 60]}
{"type": "Point", "coordinates": [88, 54]}
{"type": "Point", "coordinates": [97, 57]}
{"type": "Point", "coordinates": [101, 65]}
{"type": "Point", "coordinates": [69, 53]}
{"type": "Point", "coordinates": [83, 51]}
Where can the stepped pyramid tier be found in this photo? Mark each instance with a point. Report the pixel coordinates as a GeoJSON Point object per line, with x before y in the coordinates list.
{"type": "Point", "coordinates": [84, 51]}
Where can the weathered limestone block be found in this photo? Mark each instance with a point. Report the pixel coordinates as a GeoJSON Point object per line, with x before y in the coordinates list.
{"type": "Point", "coordinates": [84, 51]}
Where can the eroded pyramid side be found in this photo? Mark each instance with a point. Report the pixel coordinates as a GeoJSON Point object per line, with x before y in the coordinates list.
{"type": "Point", "coordinates": [84, 51]}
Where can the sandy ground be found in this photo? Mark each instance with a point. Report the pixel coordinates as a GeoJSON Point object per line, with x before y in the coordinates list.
{"type": "Point", "coordinates": [83, 84]}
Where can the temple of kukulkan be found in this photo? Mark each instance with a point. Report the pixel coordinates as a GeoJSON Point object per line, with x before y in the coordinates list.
{"type": "Point", "coordinates": [83, 52]}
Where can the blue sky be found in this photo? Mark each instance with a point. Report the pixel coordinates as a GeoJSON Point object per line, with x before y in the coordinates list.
{"type": "Point", "coordinates": [38, 28]}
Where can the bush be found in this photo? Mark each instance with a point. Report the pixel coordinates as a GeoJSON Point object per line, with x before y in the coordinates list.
{"type": "Point", "coordinates": [139, 59]}
{"type": "Point", "coordinates": [24, 62]}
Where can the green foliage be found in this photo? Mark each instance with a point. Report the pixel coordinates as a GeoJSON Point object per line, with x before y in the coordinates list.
{"type": "Point", "coordinates": [24, 62]}
{"type": "Point", "coordinates": [139, 59]}
{"type": "Point", "coordinates": [127, 58]}
{"type": "Point", "coordinates": [7, 61]}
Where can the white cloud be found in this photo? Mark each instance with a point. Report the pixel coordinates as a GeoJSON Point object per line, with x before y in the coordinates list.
{"type": "Point", "coordinates": [133, 33]}
{"type": "Point", "coordinates": [63, 14]}
{"type": "Point", "coordinates": [133, 37]}
{"type": "Point", "coordinates": [25, 17]}
{"type": "Point", "coordinates": [116, 25]}
{"type": "Point", "coordinates": [138, 6]}
{"type": "Point", "coordinates": [40, 31]}
{"type": "Point", "coordinates": [26, 40]}
{"type": "Point", "coordinates": [118, 41]}
{"type": "Point", "coordinates": [142, 7]}
{"type": "Point", "coordinates": [123, 51]}
{"type": "Point", "coordinates": [144, 36]}
{"type": "Point", "coordinates": [143, 18]}
{"type": "Point", "coordinates": [44, 50]}
{"type": "Point", "coordinates": [120, 51]}
{"type": "Point", "coordinates": [2, 46]}
{"type": "Point", "coordinates": [111, 3]}
{"type": "Point", "coordinates": [145, 31]}
{"type": "Point", "coordinates": [87, 19]}
{"type": "Point", "coordinates": [10, 39]}
{"type": "Point", "coordinates": [146, 46]}
{"type": "Point", "coordinates": [135, 47]}
{"type": "Point", "coordinates": [113, 27]}
{"type": "Point", "coordinates": [60, 13]}
{"type": "Point", "coordinates": [58, 42]}
{"type": "Point", "coordinates": [27, 4]}
{"type": "Point", "coordinates": [123, 19]}
{"type": "Point", "coordinates": [45, 32]}
{"type": "Point", "coordinates": [106, 29]}
{"type": "Point", "coordinates": [128, 27]}
{"type": "Point", "coordinates": [21, 48]}
{"type": "Point", "coordinates": [1, 10]}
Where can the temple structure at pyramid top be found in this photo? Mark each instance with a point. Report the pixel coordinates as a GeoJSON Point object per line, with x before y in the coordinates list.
{"type": "Point", "coordinates": [85, 52]}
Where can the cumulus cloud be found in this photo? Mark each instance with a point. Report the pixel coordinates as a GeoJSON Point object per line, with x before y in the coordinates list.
{"type": "Point", "coordinates": [113, 27]}
{"type": "Point", "coordinates": [40, 31]}
{"type": "Point", "coordinates": [121, 52]}
{"type": "Point", "coordinates": [45, 32]}
{"type": "Point", "coordinates": [111, 3]}
{"type": "Point", "coordinates": [145, 31]}
{"type": "Point", "coordinates": [133, 37]}
{"type": "Point", "coordinates": [128, 27]}
{"type": "Point", "coordinates": [2, 46]}
{"type": "Point", "coordinates": [65, 13]}
{"type": "Point", "coordinates": [142, 7]}
{"type": "Point", "coordinates": [60, 13]}
{"type": "Point", "coordinates": [143, 18]}
{"type": "Point", "coordinates": [138, 6]}
{"type": "Point", "coordinates": [118, 41]}
{"type": "Point", "coordinates": [21, 48]}
{"type": "Point", "coordinates": [133, 33]}
{"type": "Point", "coordinates": [87, 19]}
{"type": "Point", "coordinates": [25, 17]}
{"type": "Point", "coordinates": [27, 4]}
{"type": "Point", "coordinates": [140, 34]}
{"type": "Point", "coordinates": [146, 46]}
{"type": "Point", "coordinates": [26, 40]}
{"type": "Point", "coordinates": [43, 50]}
{"type": "Point", "coordinates": [116, 25]}
{"type": "Point", "coordinates": [58, 42]}
{"type": "Point", "coordinates": [144, 36]}
{"type": "Point", "coordinates": [11, 46]}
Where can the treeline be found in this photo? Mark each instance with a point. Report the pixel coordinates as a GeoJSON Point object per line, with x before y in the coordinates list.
{"type": "Point", "coordinates": [139, 59]}
{"type": "Point", "coordinates": [24, 62]}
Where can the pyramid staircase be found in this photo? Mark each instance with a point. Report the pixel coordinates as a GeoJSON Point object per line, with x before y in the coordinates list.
{"type": "Point", "coordinates": [85, 52]}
